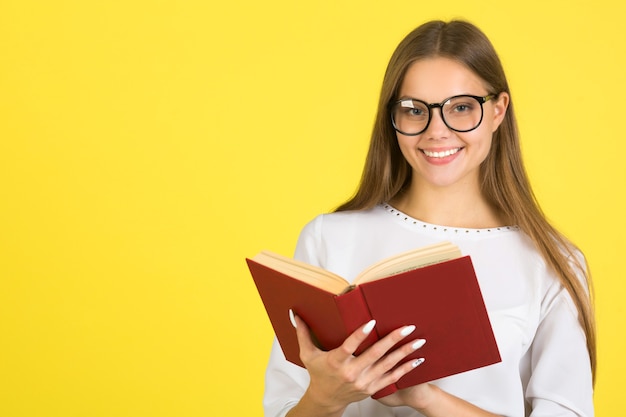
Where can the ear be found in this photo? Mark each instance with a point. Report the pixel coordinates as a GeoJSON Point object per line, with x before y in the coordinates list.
{"type": "Point", "coordinates": [499, 109]}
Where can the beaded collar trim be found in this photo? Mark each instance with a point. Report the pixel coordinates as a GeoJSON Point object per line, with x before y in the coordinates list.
{"type": "Point", "coordinates": [433, 227]}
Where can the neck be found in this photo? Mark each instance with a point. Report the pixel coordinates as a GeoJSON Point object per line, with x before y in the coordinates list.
{"type": "Point", "coordinates": [460, 205]}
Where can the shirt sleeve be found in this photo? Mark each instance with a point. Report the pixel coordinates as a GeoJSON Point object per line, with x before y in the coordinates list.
{"type": "Point", "coordinates": [309, 247]}
{"type": "Point", "coordinates": [285, 383]}
{"type": "Point", "coordinates": [560, 382]}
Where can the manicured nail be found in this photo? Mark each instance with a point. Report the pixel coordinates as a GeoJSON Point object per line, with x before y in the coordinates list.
{"type": "Point", "coordinates": [418, 344]}
{"type": "Point", "coordinates": [292, 318]}
{"type": "Point", "coordinates": [407, 330]}
{"type": "Point", "coordinates": [418, 362]}
{"type": "Point", "coordinates": [369, 326]}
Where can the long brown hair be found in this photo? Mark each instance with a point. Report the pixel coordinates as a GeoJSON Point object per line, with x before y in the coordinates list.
{"type": "Point", "coordinates": [503, 177]}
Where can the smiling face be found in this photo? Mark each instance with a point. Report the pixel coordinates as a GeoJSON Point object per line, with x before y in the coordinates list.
{"type": "Point", "coordinates": [439, 156]}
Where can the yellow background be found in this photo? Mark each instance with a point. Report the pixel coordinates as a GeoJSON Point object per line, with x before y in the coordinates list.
{"type": "Point", "coordinates": [147, 147]}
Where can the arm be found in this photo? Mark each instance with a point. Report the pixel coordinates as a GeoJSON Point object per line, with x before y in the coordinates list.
{"type": "Point", "coordinates": [560, 380]}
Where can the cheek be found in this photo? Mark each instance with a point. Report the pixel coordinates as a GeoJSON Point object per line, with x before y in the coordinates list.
{"type": "Point", "coordinates": [407, 146]}
{"type": "Point", "coordinates": [485, 146]}
{"type": "Point", "coordinates": [479, 142]}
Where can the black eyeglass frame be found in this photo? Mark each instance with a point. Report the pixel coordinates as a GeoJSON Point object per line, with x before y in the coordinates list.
{"type": "Point", "coordinates": [481, 100]}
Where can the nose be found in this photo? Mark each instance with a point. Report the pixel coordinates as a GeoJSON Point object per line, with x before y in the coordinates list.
{"type": "Point", "coordinates": [437, 128]}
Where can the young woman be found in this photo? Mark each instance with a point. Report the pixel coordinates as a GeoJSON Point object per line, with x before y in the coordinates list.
{"type": "Point", "coordinates": [445, 164]}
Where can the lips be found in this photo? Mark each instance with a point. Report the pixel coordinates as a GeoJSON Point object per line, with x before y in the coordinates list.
{"type": "Point", "coordinates": [440, 154]}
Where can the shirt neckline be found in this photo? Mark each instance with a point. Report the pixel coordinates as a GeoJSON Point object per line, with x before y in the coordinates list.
{"type": "Point", "coordinates": [416, 224]}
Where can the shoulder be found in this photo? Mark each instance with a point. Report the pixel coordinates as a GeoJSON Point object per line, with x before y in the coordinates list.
{"type": "Point", "coordinates": [329, 232]}
{"type": "Point", "coordinates": [342, 222]}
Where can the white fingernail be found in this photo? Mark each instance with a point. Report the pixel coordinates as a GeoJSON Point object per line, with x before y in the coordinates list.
{"type": "Point", "coordinates": [369, 326]}
{"type": "Point", "coordinates": [407, 330]}
{"type": "Point", "coordinates": [292, 318]}
{"type": "Point", "coordinates": [418, 344]}
{"type": "Point", "coordinates": [418, 362]}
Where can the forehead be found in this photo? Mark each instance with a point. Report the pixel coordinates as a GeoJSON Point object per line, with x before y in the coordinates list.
{"type": "Point", "coordinates": [435, 79]}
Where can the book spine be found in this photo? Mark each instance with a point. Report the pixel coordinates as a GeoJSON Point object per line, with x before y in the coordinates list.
{"type": "Point", "coordinates": [355, 313]}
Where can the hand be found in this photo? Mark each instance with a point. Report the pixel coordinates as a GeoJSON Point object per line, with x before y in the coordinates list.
{"type": "Point", "coordinates": [432, 401]}
{"type": "Point", "coordinates": [338, 378]}
{"type": "Point", "coordinates": [417, 396]}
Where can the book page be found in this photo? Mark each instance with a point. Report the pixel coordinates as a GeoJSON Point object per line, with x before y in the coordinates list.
{"type": "Point", "coordinates": [406, 261]}
{"type": "Point", "coordinates": [304, 272]}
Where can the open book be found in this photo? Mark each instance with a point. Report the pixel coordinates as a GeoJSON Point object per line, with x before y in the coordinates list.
{"type": "Point", "coordinates": [434, 288]}
{"type": "Point", "coordinates": [328, 281]}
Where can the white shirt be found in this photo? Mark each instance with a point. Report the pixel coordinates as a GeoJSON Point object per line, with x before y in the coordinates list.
{"type": "Point", "coordinates": [545, 368]}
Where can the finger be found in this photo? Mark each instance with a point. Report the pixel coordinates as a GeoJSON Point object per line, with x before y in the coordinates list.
{"type": "Point", "coordinates": [303, 333]}
{"type": "Point", "coordinates": [392, 359]}
{"type": "Point", "coordinates": [397, 373]}
{"type": "Point", "coordinates": [352, 342]}
{"type": "Point", "coordinates": [379, 349]}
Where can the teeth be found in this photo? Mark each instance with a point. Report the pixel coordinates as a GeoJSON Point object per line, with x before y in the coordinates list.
{"type": "Point", "coordinates": [441, 154]}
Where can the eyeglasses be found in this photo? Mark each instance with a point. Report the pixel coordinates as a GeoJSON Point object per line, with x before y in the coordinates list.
{"type": "Point", "coordinates": [460, 113]}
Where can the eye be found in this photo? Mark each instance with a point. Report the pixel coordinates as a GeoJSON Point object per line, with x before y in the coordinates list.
{"type": "Point", "coordinates": [412, 109]}
{"type": "Point", "coordinates": [460, 106]}
{"type": "Point", "coordinates": [415, 112]}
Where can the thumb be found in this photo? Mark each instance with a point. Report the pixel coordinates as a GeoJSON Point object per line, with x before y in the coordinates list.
{"type": "Point", "coordinates": [303, 333]}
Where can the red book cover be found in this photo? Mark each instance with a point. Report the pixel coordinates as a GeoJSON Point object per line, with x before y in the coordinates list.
{"type": "Point", "coordinates": [443, 301]}
{"type": "Point", "coordinates": [445, 304]}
